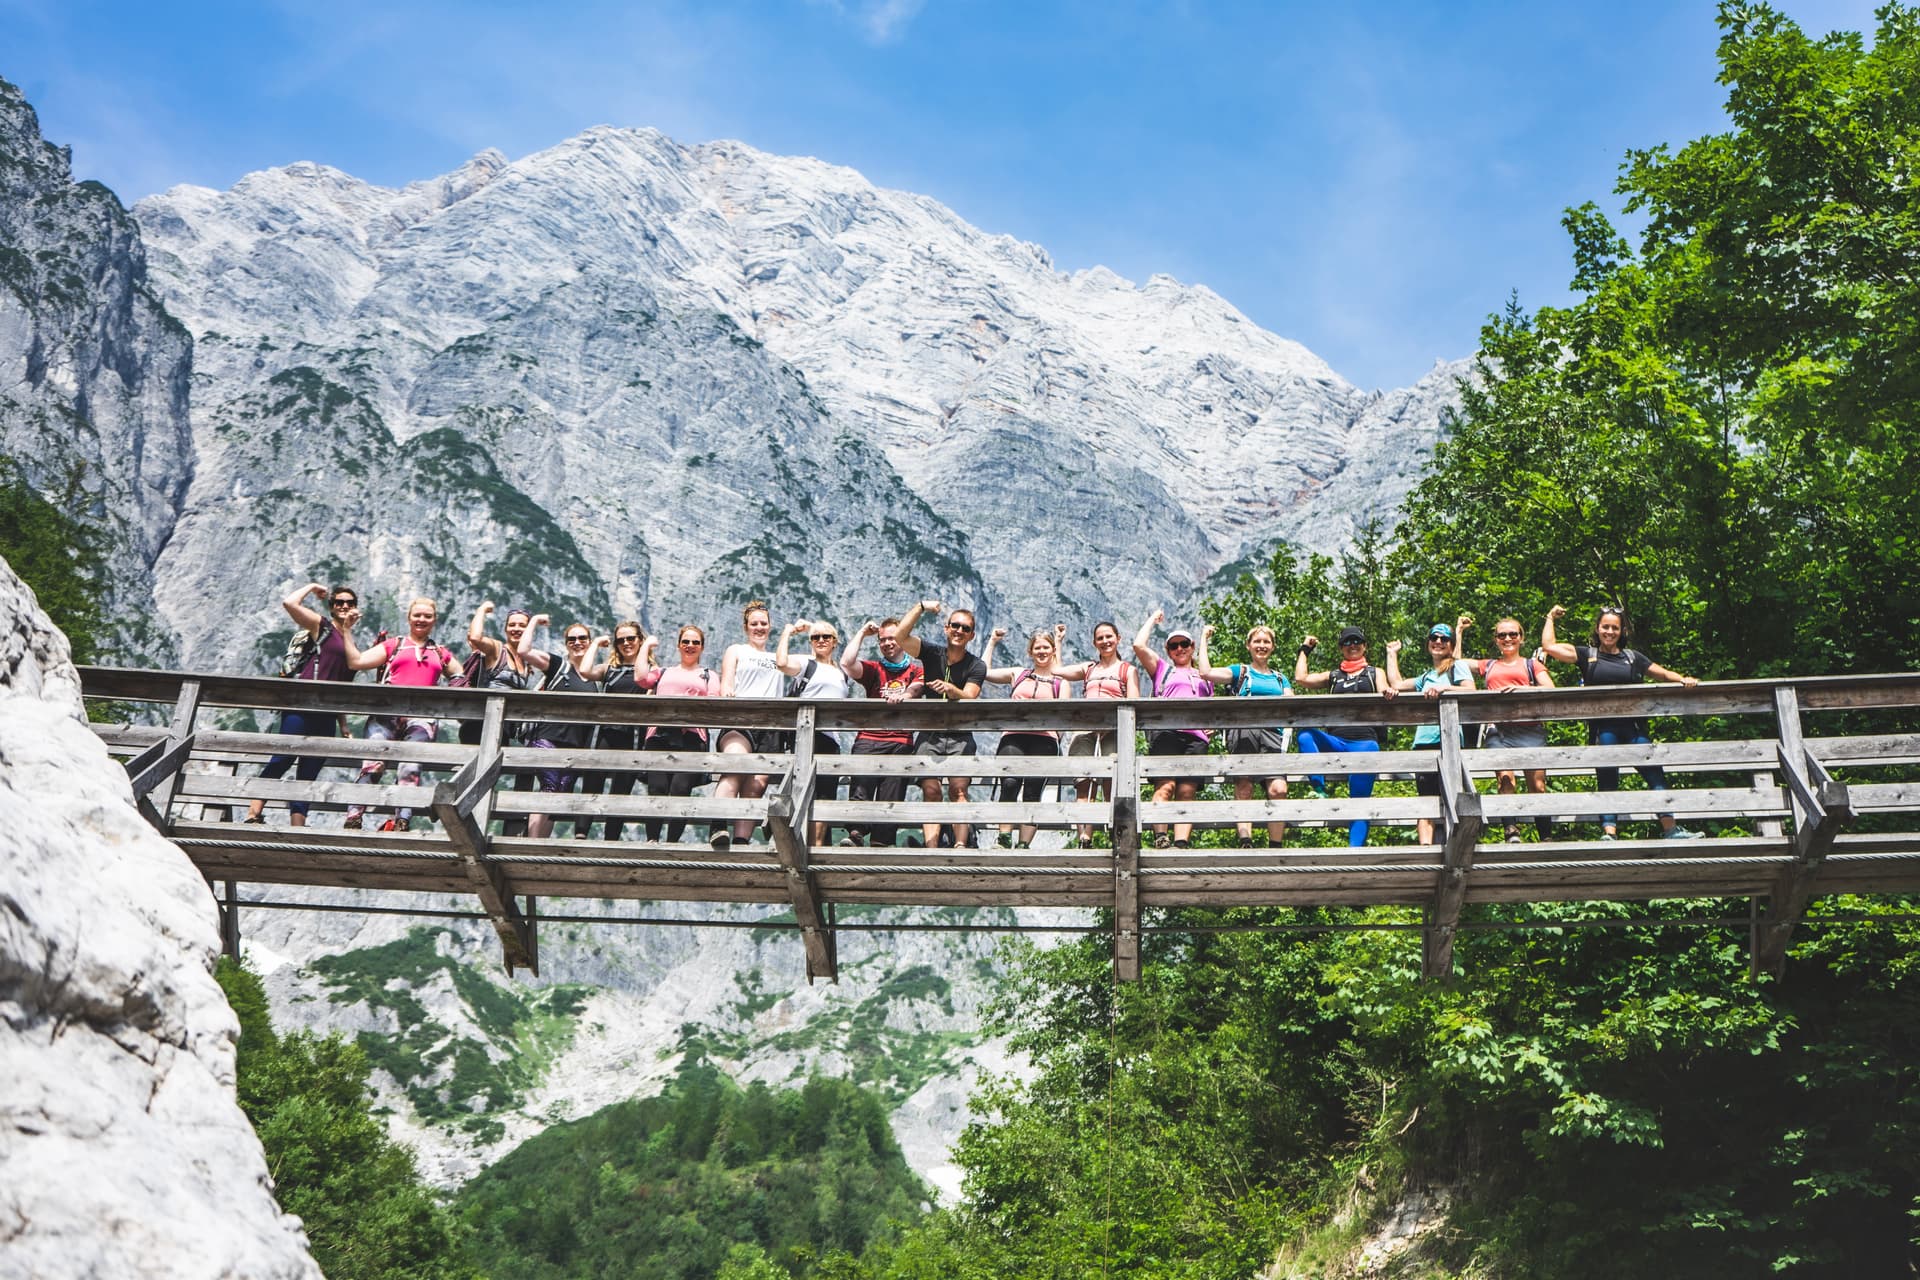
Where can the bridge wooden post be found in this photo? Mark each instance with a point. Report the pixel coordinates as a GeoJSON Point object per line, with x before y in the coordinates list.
{"type": "Point", "coordinates": [1125, 828]}
{"type": "Point", "coordinates": [1821, 806]}
{"type": "Point", "coordinates": [155, 772]}
{"type": "Point", "coordinates": [1461, 824]}
{"type": "Point", "coordinates": [230, 920]}
{"type": "Point", "coordinates": [790, 820]}
{"type": "Point", "coordinates": [454, 804]}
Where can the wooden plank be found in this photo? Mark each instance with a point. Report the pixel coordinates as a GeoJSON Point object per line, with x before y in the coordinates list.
{"type": "Point", "coordinates": [1125, 809]}
{"type": "Point", "coordinates": [1377, 808]}
{"type": "Point", "coordinates": [343, 751]}
{"type": "Point", "coordinates": [575, 805]}
{"type": "Point", "coordinates": [336, 795]}
{"type": "Point", "coordinates": [519, 944]}
{"type": "Point", "coordinates": [1679, 756]}
{"type": "Point", "coordinates": [157, 763]}
{"type": "Point", "coordinates": [186, 708]}
{"type": "Point", "coordinates": [609, 761]}
{"type": "Point", "coordinates": [1292, 764]}
{"type": "Point", "coordinates": [1066, 768]}
{"type": "Point", "coordinates": [1867, 749]}
{"type": "Point", "coordinates": [1884, 797]}
{"type": "Point", "coordinates": [788, 812]}
{"type": "Point", "coordinates": [1727, 802]}
{"type": "Point", "coordinates": [976, 812]}
{"type": "Point", "coordinates": [1463, 821]}
{"type": "Point", "coordinates": [1820, 807]}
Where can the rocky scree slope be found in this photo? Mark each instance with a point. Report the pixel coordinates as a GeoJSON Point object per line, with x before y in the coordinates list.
{"type": "Point", "coordinates": [123, 1151]}
{"type": "Point", "coordinates": [721, 373]}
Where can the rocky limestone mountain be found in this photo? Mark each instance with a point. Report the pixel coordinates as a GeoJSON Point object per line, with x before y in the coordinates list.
{"type": "Point", "coordinates": [719, 373]}
{"type": "Point", "coordinates": [123, 1151]}
{"type": "Point", "coordinates": [94, 373]}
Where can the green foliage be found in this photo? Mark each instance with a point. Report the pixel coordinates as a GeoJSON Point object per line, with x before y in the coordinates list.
{"type": "Point", "coordinates": [445, 1073]}
{"type": "Point", "coordinates": [368, 1217]}
{"type": "Point", "coordinates": [706, 1178]}
{"type": "Point", "coordinates": [1720, 434]}
{"type": "Point", "coordinates": [56, 555]}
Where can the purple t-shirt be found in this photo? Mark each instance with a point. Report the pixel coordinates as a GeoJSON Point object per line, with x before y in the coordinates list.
{"type": "Point", "coordinates": [328, 661]}
{"type": "Point", "coordinates": [1170, 681]}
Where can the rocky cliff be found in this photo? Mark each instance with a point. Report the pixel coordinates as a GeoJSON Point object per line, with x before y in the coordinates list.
{"type": "Point", "coordinates": [94, 373]}
{"type": "Point", "coordinates": [122, 1149]}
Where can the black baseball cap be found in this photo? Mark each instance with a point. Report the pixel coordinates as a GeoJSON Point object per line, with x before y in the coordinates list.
{"type": "Point", "coordinates": [1349, 634]}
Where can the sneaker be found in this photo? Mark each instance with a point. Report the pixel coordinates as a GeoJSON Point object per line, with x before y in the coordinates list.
{"type": "Point", "coordinates": [391, 824]}
{"type": "Point", "coordinates": [1161, 840]}
{"type": "Point", "coordinates": [1608, 835]}
{"type": "Point", "coordinates": [1513, 835]}
{"type": "Point", "coordinates": [1006, 839]}
{"type": "Point", "coordinates": [352, 823]}
{"type": "Point", "coordinates": [721, 841]}
{"type": "Point", "coordinates": [848, 842]}
{"type": "Point", "coordinates": [1246, 842]}
{"type": "Point", "coordinates": [1681, 833]}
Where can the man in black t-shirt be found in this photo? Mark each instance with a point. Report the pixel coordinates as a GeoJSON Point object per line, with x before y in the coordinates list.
{"type": "Point", "coordinates": [952, 674]}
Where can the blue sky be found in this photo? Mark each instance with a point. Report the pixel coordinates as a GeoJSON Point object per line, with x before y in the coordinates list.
{"type": "Point", "coordinates": [1370, 180]}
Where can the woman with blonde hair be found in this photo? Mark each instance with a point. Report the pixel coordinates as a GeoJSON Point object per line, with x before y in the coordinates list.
{"type": "Point", "coordinates": [1254, 678]}
{"type": "Point", "coordinates": [1039, 680]}
{"type": "Point", "coordinates": [749, 670]}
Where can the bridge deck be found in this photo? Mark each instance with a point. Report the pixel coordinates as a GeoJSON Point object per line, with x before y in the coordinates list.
{"type": "Point", "coordinates": [1791, 827]}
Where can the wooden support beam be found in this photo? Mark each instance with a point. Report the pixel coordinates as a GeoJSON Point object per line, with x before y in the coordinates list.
{"type": "Point", "coordinates": [1126, 851]}
{"type": "Point", "coordinates": [789, 819]}
{"type": "Point", "coordinates": [1821, 806]}
{"type": "Point", "coordinates": [1462, 817]}
{"type": "Point", "coordinates": [179, 734]}
{"type": "Point", "coordinates": [157, 763]}
{"type": "Point", "coordinates": [470, 841]}
{"type": "Point", "coordinates": [230, 920]}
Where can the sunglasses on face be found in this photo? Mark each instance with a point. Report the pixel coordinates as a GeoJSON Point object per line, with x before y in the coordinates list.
{"type": "Point", "coordinates": [691, 644]}
{"type": "Point", "coordinates": [823, 639]}
{"type": "Point", "coordinates": [1506, 635]}
{"type": "Point", "coordinates": [1353, 644]}
{"type": "Point", "coordinates": [960, 626]}
{"type": "Point", "coordinates": [626, 639]}
{"type": "Point", "coordinates": [1179, 644]}
{"type": "Point", "coordinates": [343, 604]}
{"type": "Point", "coordinates": [577, 639]}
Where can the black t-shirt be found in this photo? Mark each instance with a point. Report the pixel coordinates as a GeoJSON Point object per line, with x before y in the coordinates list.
{"type": "Point", "coordinates": [1361, 681]}
{"type": "Point", "coordinates": [1628, 666]}
{"type": "Point", "coordinates": [965, 670]}
{"type": "Point", "coordinates": [562, 678]}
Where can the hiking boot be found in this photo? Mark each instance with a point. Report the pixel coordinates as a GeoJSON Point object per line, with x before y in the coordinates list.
{"type": "Point", "coordinates": [1246, 842]}
{"type": "Point", "coordinates": [391, 824]}
{"type": "Point", "coordinates": [721, 841]}
{"type": "Point", "coordinates": [1006, 839]}
{"type": "Point", "coordinates": [1182, 844]}
{"type": "Point", "coordinates": [352, 823]}
{"type": "Point", "coordinates": [1161, 840]}
{"type": "Point", "coordinates": [1513, 835]}
{"type": "Point", "coordinates": [1608, 835]}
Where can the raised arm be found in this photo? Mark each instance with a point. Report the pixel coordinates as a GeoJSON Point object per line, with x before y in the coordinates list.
{"type": "Point", "coordinates": [538, 659]}
{"type": "Point", "coordinates": [850, 660]}
{"type": "Point", "coordinates": [1550, 643]}
{"type": "Point", "coordinates": [643, 661]}
{"type": "Point", "coordinates": [997, 675]}
{"type": "Point", "coordinates": [1143, 640]}
{"type": "Point", "coordinates": [911, 619]}
{"type": "Point", "coordinates": [1215, 675]}
{"type": "Point", "coordinates": [477, 637]}
{"type": "Point", "coordinates": [359, 660]}
{"type": "Point", "coordinates": [1462, 625]}
{"type": "Point", "coordinates": [597, 670]}
{"type": "Point", "coordinates": [1304, 678]}
{"type": "Point", "coordinates": [1394, 679]}
{"type": "Point", "coordinates": [296, 606]}
{"type": "Point", "coordinates": [790, 666]}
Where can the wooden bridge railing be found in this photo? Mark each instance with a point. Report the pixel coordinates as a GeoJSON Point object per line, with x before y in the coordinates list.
{"type": "Point", "coordinates": [1777, 785]}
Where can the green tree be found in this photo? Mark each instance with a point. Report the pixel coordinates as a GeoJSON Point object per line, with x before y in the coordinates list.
{"type": "Point", "coordinates": [368, 1216]}
{"type": "Point", "coordinates": [56, 555]}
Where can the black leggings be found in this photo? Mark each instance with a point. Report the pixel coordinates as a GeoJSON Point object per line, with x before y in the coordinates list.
{"type": "Point", "coordinates": [1026, 790]}
{"type": "Point", "coordinates": [671, 782]}
{"type": "Point", "coordinates": [613, 784]}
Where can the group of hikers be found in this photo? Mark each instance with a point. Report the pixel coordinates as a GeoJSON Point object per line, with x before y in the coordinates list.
{"type": "Point", "coordinates": [907, 666]}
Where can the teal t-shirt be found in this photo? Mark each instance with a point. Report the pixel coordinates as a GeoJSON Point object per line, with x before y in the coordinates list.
{"type": "Point", "coordinates": [1428, 735]}
{"type": "Point", "coordinates": [1258, 684]}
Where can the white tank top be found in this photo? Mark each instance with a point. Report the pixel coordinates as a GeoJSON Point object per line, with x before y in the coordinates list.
{"type": "Point", "coordinates": [755, 676]}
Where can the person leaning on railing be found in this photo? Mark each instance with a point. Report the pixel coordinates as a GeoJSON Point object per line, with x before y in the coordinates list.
{"type": "Point", "coordinates": [895, 678]}
{"type": "Point", "coordinates": [953, 674]}
{"type": "Point", "coordinates": [325, 660]}
{"type": "Point", "coordinates": [816, 677]}
{"type": "Point", "coordinates": [1504, 674]}
{"type": "Point", "coordinates": [1173, 676]}
{"type": "Point", "coordinates": [1038, 680]}
{"type": "Point", "coordinates": [414, 661]}
{"type": "Point", "coordinates": [1607, 661]}
{"type": "Point", "coordinates": [685, 679]}
{"type": "Point", "coordinates": [615, 675]}
{"type": "Point", "coordinates": [1107, 676]}
{"type": "Point", "coordinates": [1254, 678]}
{"type": "Point", "coordinates": [1351, 674]}
{"type": "Point", "coordinates": [1444, 674]}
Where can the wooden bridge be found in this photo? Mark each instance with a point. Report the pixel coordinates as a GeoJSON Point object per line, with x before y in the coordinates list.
{"type": "Point", "coordinates": [1788, 825]}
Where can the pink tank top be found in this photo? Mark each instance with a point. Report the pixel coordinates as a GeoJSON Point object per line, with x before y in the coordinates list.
{"type": "Point", "coordinates": [678, 682]}
{"type": "Point", "coordinates": [1170, 681]}
{"type": "Point", "coordinates": [415, 665]}
{"type": "Point", "coordinates": [1030, 686]}
{"type": "Point", "coordinates": [1112, 685]}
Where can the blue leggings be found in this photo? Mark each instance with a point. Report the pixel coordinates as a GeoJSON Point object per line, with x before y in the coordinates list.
{"type": "Point", "coordinates": [306, 724]}
{"type": "Point", "coordinates": [1617, 735]}
{"type": "Point", "coordinates": [1359, 785]}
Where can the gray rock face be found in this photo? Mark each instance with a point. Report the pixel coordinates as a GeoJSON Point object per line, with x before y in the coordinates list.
{"type": "Point", "coordinates": [122, 1149]}
{"type": "Point", "coordinates": [94, 374]}
{"type": "Point", "coordinates": [718, 374]}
